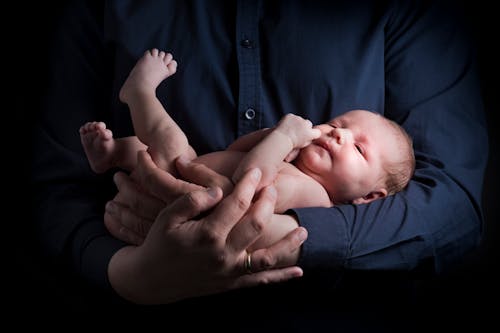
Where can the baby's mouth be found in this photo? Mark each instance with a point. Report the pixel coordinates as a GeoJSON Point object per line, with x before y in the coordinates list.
{"type": "Point", "coordinates": [325, 146]}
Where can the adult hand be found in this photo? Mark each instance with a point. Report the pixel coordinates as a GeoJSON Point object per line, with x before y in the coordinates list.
{"type": "Point", "coordinates": [185, 256]}
{"type": "Point", "coordinates": [131, 213]}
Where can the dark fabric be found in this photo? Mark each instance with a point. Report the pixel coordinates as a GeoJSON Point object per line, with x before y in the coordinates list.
{"type": "Point", "coordinates": [408, 60]}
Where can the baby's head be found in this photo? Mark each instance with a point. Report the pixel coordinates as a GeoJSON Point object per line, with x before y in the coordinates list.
{"type": "Point", "coordinates": [361, 156]}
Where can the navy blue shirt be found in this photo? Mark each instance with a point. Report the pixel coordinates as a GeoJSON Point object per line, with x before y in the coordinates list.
{"type": "Point", "coordinates": [242, 66]}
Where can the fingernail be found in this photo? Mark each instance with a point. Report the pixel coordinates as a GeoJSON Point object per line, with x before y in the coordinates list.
{"type": "Point", "coordinates": [302, 235]}
{"type": "Point", "coordinates": [110, 207]}
{"type": "Point", "coordinates": [296, 273]}
{"type": "Point", "coordinates": [212, 191]}
{"type": "Point", "coordinates": [255, 174]}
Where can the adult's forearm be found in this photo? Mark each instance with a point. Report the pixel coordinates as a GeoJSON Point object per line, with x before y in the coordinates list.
{"type": "Point", "coordinates": [435, 225]}
{"type": "Point", "coordinates": [124, 276]}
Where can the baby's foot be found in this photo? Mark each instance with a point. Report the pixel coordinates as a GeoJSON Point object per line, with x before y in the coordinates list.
{"type": "Point", "coordinates": [154, 67]}
{"type": "Point", "coordinates": [99, 145]}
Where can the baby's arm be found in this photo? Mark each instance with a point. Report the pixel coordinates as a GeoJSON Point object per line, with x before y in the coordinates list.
{"type": "Point", "coordinates": [292, 132]}
{"type": "Point", "coordinates": [248, 141]}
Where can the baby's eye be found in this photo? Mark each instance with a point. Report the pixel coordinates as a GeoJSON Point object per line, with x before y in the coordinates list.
{"type": "Point", "coordinates": [358, 147]}
{"type": "Point", "coordinates": [332, 125]}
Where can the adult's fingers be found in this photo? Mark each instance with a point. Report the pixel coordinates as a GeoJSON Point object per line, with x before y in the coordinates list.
{"type": "Point", "coordinates": [188, 206]}
{"type": "Point", "coordinates": [267, 277]}
{"type": "Point", "coordinates": [281, 254]}
{"type": "Point", "coordinates": [129, 194]}
{"type": "Point", "coordinates": [127, 219]}
{"type": "Point", "coordinates": [200, 174]}
{"type": "Point", "coordinates": [249, 229]}
{"type": "Point", "coordinates": [230, 210]}
{"type": "Point", "coordinates": [120, 232]}
{"type": "Point", "coordinates": [159, 182]}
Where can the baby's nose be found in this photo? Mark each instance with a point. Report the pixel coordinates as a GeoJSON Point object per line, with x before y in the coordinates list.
{"type": "Point", "coordinates": [341, 135]}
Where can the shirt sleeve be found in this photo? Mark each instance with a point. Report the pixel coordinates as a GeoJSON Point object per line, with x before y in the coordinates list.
{"type": "Point", "coordinates": [432, 90]}
{"type": "Point", "coordinates": [69, 198]}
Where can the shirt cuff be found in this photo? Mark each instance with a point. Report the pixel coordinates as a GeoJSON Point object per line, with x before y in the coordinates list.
{"type": "Point", "coordinates": [327, 244]}
{"type": "Point", "coordinates": [93, 248]}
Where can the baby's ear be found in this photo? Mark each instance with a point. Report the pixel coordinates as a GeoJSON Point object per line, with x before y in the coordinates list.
{"type": "Point", "coordinates": [374, 195]}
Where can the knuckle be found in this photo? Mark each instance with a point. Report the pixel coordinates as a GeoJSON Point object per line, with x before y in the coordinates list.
{"type": "Point", "coordinates": [242, 203]}
{"type": "Point", "coordinates": [258, 224]}
{"type": "Point", "coordinates": [209, 236]}
{"type": "Point", "coordinates": [264, 280]}
{"type": "Point", "coordinates": [268, 260]}
{"type": "Point", "coordinates": [192, 199]}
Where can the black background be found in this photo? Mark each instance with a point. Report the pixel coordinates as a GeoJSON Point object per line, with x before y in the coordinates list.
{"type": "Point", "coordinates": [37, 287]}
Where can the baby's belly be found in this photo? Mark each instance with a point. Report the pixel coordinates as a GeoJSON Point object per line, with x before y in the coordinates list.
{"type": "Point", "coordinates": [223, 162]}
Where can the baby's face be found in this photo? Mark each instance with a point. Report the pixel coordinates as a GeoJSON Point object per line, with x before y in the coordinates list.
{"type": "Point", "coordinates": [348, 157]}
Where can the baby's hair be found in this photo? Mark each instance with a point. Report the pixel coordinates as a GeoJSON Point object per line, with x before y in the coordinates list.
{"type": "Point", "coordinates": [400, 172]}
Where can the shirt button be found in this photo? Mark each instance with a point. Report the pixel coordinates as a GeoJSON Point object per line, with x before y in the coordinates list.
{"type": "Point", "coordinates": [247, 43]}
{"type": "Point", "coordinates": [250, 114]}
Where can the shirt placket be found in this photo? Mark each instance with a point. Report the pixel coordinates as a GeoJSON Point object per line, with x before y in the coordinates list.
{"type": "Point", "coordinates": [247, 50]}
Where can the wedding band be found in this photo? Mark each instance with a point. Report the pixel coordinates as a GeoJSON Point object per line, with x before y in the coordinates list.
{"type": "Point", "coordinates": [248, 263]}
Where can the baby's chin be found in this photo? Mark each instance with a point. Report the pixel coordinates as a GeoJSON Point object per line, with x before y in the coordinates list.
{"type": "Point", "coordinates": [312, 159]}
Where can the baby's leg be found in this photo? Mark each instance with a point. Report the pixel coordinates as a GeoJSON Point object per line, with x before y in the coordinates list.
{"type": "Point", "coordinates": [152, 124]}
{"type": "Point", "coordinates": [105, 152]}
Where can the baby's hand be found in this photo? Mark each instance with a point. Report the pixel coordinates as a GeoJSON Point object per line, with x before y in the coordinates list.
{"type": "Point", "coordinates": [298, 129]}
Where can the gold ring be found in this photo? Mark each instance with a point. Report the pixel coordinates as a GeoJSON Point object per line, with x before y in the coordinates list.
{"type": "Point", "coordinates": [248, 263]}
